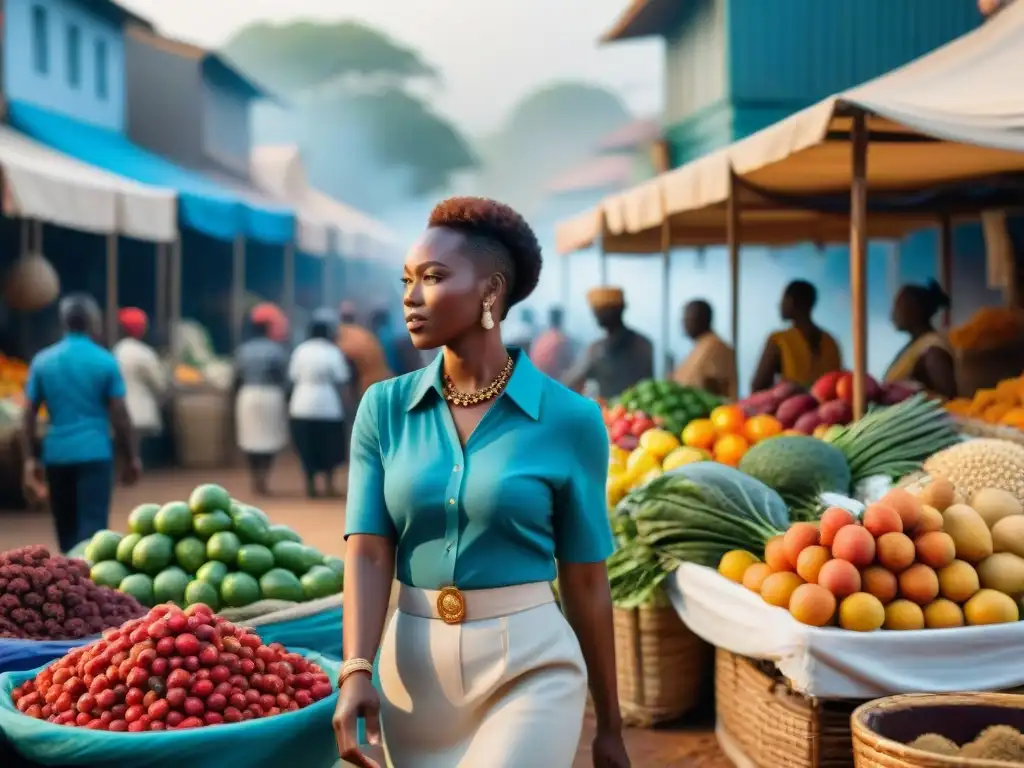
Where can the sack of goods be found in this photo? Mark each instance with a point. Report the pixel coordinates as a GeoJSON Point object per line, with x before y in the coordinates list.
{"type": "Point", "coordinates": [221, 552]}
{"type": "Point", "coordinates": [169, 688]}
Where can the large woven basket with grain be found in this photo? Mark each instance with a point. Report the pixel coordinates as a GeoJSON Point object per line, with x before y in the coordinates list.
{"type": "Point", "coordinates": [884, 729]}
{"type": "Point", "coordinates": [762, 722]}
{"type": "Point", "coordinates": [661, 665]}
{"type": "Point", "coordinates": [976, 428]}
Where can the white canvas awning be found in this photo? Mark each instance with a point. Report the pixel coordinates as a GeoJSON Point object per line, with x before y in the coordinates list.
{"type": "Point", "coordinates": [952, 115]}
{"type": "Point", "coordinates": [46, 185]}
{"type": "Point", "coordinates": [280, 172]}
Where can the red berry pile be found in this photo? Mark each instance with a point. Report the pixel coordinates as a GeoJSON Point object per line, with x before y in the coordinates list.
{"type": "Point", "coordinates": [169, 670]}
{"type": "Point", "coordinates": [52, 598]}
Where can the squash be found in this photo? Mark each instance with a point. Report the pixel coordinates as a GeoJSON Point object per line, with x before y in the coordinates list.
{"type": "Point", "coordinates": [187, 374]}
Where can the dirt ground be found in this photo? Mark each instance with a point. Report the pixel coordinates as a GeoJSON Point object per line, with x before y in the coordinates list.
{"type": "Point", "coordinates": [322, 522]}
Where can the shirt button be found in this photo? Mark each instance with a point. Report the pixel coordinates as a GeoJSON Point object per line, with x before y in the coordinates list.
{"type": "Point", "coordinates": [451, 501]}
{"type": "Point", "coordinates": [449, 548]}
{"type": "Point", "coordinates": [456, 468]}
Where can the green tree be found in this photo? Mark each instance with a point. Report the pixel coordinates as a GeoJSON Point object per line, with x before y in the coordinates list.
{"type": "Point", "coordinates": [366, 137]}
{"type": "Point", "coordinates": [548, 132]}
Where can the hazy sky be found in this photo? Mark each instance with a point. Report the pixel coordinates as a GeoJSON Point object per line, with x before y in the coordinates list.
{"type": "Point", "coordinates": [492, 52]}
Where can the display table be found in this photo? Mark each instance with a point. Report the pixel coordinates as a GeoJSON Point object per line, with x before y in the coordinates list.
{"type": "Point", "coordinates": [832, 663]}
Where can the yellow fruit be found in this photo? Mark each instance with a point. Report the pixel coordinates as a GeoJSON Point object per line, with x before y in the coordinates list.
{"type": "Point", "coordinates": [991, 607]}
{"type": "Point", "coordinates": [971, 536]}
{"type": "Point", "coordinates": [640, 462]}
{"type": "Point", "coordinates": [902, 615]}
{"type": "Point", "coordinates": [994, 504]}
{"type": "Point", "coordinates": [659, 442]}
{"type": "Point", "coordinates": [943, 614]}
{"type": "Point", "coordinates": [1008, 535]}
{"type": "Point", "coordinates": [861, 612]}
{"type": "Point", "coordinates": [617, 455]}
{"type": "Point", "coordinates": [1003, 572]}
{"type": "Point", "coordinates": [699, 433]}
{"type": "Point", "coordinates": [735, 563]}
{"type": "Point", "coordinates": [616, 487]}
{"type": "Point", "coordinates": [684, 455]}
{"type": "Point", "coordinates": [958, 581]}
{"type": "Point", "coordinates": [652, 474]}
{"type": "Point", "coordinates": [812, 605]}
{"type": "Point", "coordinates": [778, 588]}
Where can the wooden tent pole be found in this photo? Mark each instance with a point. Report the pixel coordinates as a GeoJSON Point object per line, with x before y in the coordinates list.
{"type": "Point", "coordinates": [602, 254]}
{"type": "Point", "coordinates": [733, 235]}
{"type": "Point", "coordinates": [946, 263]}
{"type": "Point", "coordinates": [666, 291]}
{"type": "Point", "coordinates": [237, 290]}
{"type": "Point", "coordinates": [112, 290]}
{"type": "Point", "coordinates": [858, 259]}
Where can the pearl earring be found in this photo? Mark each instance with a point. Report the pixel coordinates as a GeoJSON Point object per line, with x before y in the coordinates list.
{"type": "Point", "coordinates": [487, 319]}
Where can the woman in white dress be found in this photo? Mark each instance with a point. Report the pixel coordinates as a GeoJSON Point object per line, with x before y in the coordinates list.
{"type": "Point", "coordinates": [321, 381]}
{"type": "Point", "coordinates": [261, 411]}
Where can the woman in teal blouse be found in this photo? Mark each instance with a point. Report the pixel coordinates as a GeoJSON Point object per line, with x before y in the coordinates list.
{"type": "Point", "coordinates": [472, 478]}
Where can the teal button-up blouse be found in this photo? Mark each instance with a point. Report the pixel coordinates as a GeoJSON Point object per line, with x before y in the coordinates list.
{"type": "Point", "coordinates": [527, 489]}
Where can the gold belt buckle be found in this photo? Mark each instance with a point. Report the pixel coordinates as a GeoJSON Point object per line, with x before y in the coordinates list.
{"type": "Point", "coordinates": [451, 605]}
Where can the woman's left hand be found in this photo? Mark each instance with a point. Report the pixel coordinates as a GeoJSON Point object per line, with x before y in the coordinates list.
{"type": "Point", "coordinates": [610, 751]}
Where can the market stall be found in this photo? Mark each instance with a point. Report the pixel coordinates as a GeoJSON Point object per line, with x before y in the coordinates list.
{"type": "Point", "coordinates": [930, 128]}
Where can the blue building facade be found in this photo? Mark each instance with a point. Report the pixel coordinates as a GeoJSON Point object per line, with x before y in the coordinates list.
{"type": "Point", "coordinates": [66, 56]}
{"type": "Point", "coordinates": [733, 67]}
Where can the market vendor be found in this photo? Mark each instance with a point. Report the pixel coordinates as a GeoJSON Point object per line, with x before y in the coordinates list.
{"type": "Point", "coordinates": [261, 411]}
{"type": "Point", "coordinates": [927, 357]}
{"type": "Point", "coordinates": [711, 364]}
{"type": "Point", "coordinates": [803, 352]}
{"type": "Point", "coordinates": [619, 360]}
{"type": "Point", "coordinates": [362, 349]}
{"type": "Point", "coordinates": [82, 388]}
{"type": "Point", "coordinates": [145, 382]}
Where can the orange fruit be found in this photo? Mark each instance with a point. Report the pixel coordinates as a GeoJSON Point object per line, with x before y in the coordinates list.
{"type": "Point", "coordinates": [758, 428]}
{"type": "Point", "coordinates": [699, 433]}
{"type": "Point", "coordinates": [729, 449]}
{"type": "Point", "coordinates": [728, 419]}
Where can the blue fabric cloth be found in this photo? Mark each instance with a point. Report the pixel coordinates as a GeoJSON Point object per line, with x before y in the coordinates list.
{"type": "Point", "coordinates": [527, 489]}
{"type": "Point", "coordinates": [18, 655]}
{"type": "Point", "coordinates": [320, 632]}
{"type": "Point", "coordinates": [297, 738]}
{"type": "Point", "coordinates": [75, 379]}
{"type": "Point", "coordinates": [202, 204]}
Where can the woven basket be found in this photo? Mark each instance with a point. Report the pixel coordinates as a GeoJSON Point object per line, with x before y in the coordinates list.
{"type": "Point", "coordinates": [976, 428]}
{"type": "Point", "coordinates": [766, 724]}
{"type": "Point", "coordinates": [882, 729]}
{"type": "Point", "coordinates": [661, 665]}
{"type": "Point", "coordinates": [202, 429]}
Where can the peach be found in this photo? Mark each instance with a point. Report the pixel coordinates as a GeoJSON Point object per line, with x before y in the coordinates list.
{"type": "Point", "coordinates": [755, 575]}
{"type": "Point", "coordinates": [879, 582]}
{"type": "Point", "coordinates": [919, 584]}
{"type": "Point", "coordinates": [854, 544]}
{"type": "Point", "coordinates": [930, 520]}
{"type": "Point", "coordinates": [778, 588]}
{"type": "Point", "coordinates": [797, 539]}
{"type": "Point", "coordinates": [832, 520]}
{"type": "Point", "coordinates": [840, 578]}
{"type": "Point", "coordinates": [936, 549]}
{"type": "Point", "coordinates": [880, 519]}
{"type": "Point", "coordinates": [812, 604]}
{"type": "Point", "coordinates": [906, 505]}
{"type": "Point", "coordinates": [775, 554]}
{"type": "Point", "coordinates": [895, 551]}
{"type": "Point", "coordinates": [810, 561]}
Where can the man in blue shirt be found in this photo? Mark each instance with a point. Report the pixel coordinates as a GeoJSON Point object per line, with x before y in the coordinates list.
{"type": "Point", "coordinates": [81, 386]}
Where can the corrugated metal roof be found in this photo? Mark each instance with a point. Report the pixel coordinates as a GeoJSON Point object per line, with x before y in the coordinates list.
{"type": "Point", "coordinates": [643, 18]}
{"type": "Point", "coordinates": [632, 136]}
{"type": "Point", "coordinates": [602, 172]}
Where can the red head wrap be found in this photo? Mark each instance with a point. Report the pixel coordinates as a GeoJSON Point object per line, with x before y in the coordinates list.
{"type": "Point", "coordinates": [133, 322]}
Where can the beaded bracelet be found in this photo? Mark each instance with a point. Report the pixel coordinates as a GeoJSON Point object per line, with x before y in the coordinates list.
{"type": "Point", "coordinates": [352, 666]}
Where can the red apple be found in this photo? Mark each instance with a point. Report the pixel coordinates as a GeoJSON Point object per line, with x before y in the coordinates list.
{"type": "Point", "coordinates": [844, 389]}
{"type": "Point", "coordinates": [618, 430]}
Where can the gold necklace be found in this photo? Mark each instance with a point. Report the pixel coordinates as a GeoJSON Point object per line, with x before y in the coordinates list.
{"type": "Point", "coordinates": [491, 391]}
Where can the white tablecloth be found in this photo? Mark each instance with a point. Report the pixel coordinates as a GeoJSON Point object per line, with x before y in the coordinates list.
{"type": "Point", "coordinates": [833, 663]}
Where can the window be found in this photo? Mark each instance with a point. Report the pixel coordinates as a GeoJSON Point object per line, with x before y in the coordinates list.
{"type": "Point", "coordinates": [74, 54]}
{"type": "Point", "coordinates": [100, 63]}
{"type": "Point", "coordinates": [40, 40]}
